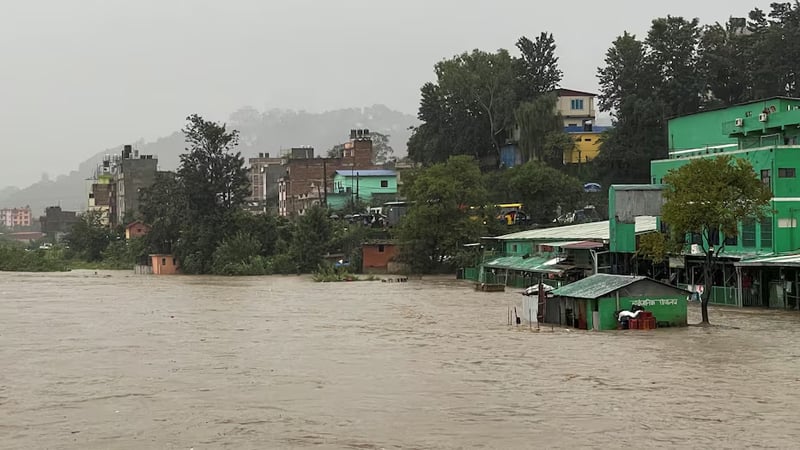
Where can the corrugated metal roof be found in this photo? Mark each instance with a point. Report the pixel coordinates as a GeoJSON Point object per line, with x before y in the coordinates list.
{"type": "Point", "coordinates": [583, 245]}
{"type": "Point", "coordinates": [367, 173]}
{"type": "Point", "coordinates": [785, 260]}
{"type": "Point", "coordinates": [596, 286]}
{"type": "Point", "coordinates": [594, 231]}
{"type": "Point", "coordinates": [532, 264]}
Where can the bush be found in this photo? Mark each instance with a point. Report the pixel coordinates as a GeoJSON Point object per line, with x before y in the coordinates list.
{"type": "Point", "coordinates": [17, 259]}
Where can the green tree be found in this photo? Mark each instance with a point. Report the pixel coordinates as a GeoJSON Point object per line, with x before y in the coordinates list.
{"type": "Point", "coordinates": [627, 84]}
{"type": "Point", "coordinates": [541, 130]}
{"type": "Point", "coordinates": [89, 236]}
{"type": "Point", "coordinates": [724, 50]}
{"type": "Point", "coordinates": [537, 67]}
{"type": "Point", "coordinates": [710, 196]}
{"type": "Point", "coordinates": [469, 109]}
{"type": "Point", "coordinates": [673, 54]}
{"type": "Point", "coordinates": [312, 239]}
{"type": "Point", "coordinates": [544, 190]}
{"type": "Point", "coordinates": [215, 185]}
{"type": "Point", "coordinates": [437, 225]}
{"type": "Point", "coordinates": [163, 208]}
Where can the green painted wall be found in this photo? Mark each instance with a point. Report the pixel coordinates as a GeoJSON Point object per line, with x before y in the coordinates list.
{"type": "Point", "coordinates": [785, 208]}
{"type": "Point", "coordinates": [675, 314]}
{"type": "Point", "coordinates": [715, 127]}
{"type": "Point", "coordinates": [367, 187]}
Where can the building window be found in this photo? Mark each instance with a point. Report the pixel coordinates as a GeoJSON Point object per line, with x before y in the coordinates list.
{"type": "Point", "coordinates": [766, 175]}
{"type": "Point", "coordinates": [749, 233]}
{"type": "Point", "coordinates": [163, 261]}
{"type": "Point", "coordinates": [587, 140]}
{"type": "Point", "coordinates": [766, 232]}
{"type": "Point", "coordinates": [731, 240]}
{"type": "Point", "coordinates": [381, 248]}
{"type": "Point", "coordinates": [174, 261]}
{"type": "Point", "coordinates": [576, 104]}
{"type": "Point", "coordinates": [786, 172]}
{"type": "Point", "coordinates": [384, 183]}
{"type": "Point", "coordinates": [514, 248]}
{"type": "Point", "coordinates": [787, 223]}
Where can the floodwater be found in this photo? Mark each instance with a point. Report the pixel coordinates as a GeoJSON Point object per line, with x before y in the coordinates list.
{"type": "Point", "coordinates": [117, 361]}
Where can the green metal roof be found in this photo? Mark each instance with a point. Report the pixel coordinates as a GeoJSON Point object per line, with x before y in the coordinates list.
{"type": "Point", "coordinates": [596, 286]}
{"type": "Point", "coordinates": [593, 231]}
{"type": "Point", "coordinates": [532, 264]}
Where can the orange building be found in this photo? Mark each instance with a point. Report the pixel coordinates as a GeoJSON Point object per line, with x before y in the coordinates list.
{"type": "Point", "coordinates": [164, 264]}
{"type": "Point", "coordinates": [136, 229]}
{"type": "Point", "coordinates": [376, 256]}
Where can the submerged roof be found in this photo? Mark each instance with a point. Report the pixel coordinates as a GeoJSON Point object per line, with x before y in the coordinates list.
{"type": "Point", "coordinates": [531, 264]}
{"type": "Point", "coordinates": [596, 286]}
{"type": "Point", "coordinates": [367, 173]}
{"type": "Point", "coordinates": [593, 231]}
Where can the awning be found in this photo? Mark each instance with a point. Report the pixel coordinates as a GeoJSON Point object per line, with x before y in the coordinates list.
{"type": "Point", "coordinates": [584, 245]}
{"type": "Point", "coordinates": [771, 261]}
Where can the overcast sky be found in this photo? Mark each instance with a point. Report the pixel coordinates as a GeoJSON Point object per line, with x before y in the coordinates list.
{"type": "Point", "coordinates": [79, 76]}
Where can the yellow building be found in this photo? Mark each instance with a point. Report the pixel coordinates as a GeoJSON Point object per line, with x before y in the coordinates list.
{"type": "Point", "coordinates": [587, 146]}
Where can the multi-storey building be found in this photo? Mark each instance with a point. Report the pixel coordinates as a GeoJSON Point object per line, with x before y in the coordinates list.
{"type": "Point", "coordinates": [307, 180]}
{"type": "Point", "coordinates": [264, 174]}
{"type": "Point", "coordinates": [765, 133]}
{"type": "Point", "coordinates": [14, 218]}
{"type": "Point", "coordinates": [116, 185]}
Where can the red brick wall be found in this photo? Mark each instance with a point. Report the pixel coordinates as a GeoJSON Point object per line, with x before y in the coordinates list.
{"type": "Point", "coordinates": [374, 260]}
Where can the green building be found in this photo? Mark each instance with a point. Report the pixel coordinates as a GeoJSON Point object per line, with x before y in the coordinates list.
{"type": "Point", "coordinates": [374, 187]}
{"type": "Point", "coordinates": [766, 133]}
{"type": "Point", "coordinates": [593, 302]}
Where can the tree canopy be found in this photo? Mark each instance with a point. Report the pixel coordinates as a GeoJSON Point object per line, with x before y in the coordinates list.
{"type": "Point", "coordinates": [711, 197]}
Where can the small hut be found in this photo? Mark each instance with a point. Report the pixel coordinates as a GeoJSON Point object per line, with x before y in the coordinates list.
{"type": "Point", "coordinates": [593, 302]}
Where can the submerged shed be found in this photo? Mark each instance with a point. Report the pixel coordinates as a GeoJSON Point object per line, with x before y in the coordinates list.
{"type": "Point", "coordinates": [592, 303]}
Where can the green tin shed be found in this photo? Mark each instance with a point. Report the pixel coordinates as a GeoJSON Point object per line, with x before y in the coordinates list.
{"type": "Point", "coordinates": [591, 303]}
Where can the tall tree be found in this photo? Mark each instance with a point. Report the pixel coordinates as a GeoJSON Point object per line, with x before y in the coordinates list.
{"type": "Point", "coordinates": [673, 54]}
{"type": "Point", "coordinates": [437, 224]}
{"type": "Point", "coordinates": [538, 71]}
{"type": "Point", "coordinates": [312, 239]}
{"type": "Point", "coordinates": [710, 196]}
{"type": "Point", "coordinates": [215, 185]}
{"type": "Point", "coordinates": [163, 208]}
{"type": "Point", "coordinates": [541, 130]}
{"type": "Point", "coordinates": [723, 53]}
{"type": "Point", "coordinates": [627, 91]}
{"type": "Point", "coordinates": [482, 84]}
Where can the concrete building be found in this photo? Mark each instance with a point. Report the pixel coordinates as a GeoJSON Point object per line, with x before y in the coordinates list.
{"type": "Point", "coordinates": [374, 187]}
{"type": "Point", "coordinates": [377, 256]}
{"type": "Point", "coordinates": [133, 173]}
{"type": "Point", "coordinates": [15, 218]}
{"type": "Point", "coordinates": [307, 180]}
{"type": "Point", "coordinates": [766, 133]}
{"type": "Point", "coordinates": [264, 174]}
{"type": "Point", "coordinates": [56, 222]}
{"type": "Point", "coordinates": [576, 107]}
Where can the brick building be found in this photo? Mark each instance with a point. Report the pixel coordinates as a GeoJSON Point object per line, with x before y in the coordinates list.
{"type": "Point", "coordinates": [306, 180]}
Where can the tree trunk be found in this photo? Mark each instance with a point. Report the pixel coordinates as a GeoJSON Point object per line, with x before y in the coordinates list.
{"type": "Point", "coordinates": [707, 289]}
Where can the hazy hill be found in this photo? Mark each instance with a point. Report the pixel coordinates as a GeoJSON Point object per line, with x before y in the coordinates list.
{"type": "Point", "coordinates": [267, 132]}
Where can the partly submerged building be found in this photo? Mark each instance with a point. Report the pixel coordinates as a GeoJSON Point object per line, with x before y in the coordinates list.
{"type": "Point", "coordinates": [756, 267]}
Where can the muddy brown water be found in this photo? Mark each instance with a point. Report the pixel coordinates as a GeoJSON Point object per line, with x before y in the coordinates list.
{"type": "Point", "coordinates": [117, 361]}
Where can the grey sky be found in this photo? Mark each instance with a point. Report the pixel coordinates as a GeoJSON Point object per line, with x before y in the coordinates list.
{"type": "Point", "coordinates": [80, 76]}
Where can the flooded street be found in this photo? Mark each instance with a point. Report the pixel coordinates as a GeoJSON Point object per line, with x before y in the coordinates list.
{"type": "Point", "coordinates": [116, 361]}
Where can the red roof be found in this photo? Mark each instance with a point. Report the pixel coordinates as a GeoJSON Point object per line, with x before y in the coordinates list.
{"type": "Point", "coordinates": [572, 93]}
{"type": "Point", "coordinates": [583, 245]}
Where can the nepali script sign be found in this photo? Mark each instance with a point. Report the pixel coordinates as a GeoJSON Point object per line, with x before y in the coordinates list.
{"type": "Point", "coordinates": [654, 302]}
